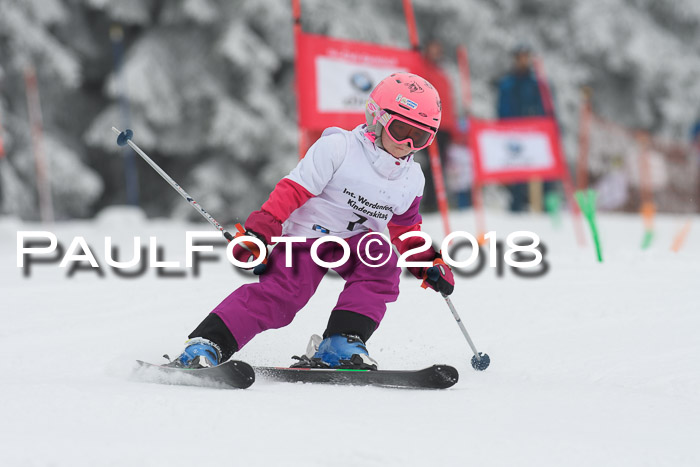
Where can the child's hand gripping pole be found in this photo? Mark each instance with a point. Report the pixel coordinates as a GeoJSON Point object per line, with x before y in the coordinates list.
{"type": "Point", "coordinates": [246, 251]}
{"type": "Point", "coordinates": [439, 277]}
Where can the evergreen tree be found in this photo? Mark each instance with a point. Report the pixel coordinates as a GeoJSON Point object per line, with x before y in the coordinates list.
{"type": "Point", "coordinates": [207, 85]}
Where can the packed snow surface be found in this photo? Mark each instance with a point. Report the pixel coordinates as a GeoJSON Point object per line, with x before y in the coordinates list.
{"type": "Point", "coordinates": [592, 364]}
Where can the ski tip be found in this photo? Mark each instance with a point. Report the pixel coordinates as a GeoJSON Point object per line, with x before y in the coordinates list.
{"type": "Point", "coordinates": [231, 374]}
{"type": "Point", "coordinates": [444, 376]}
{"type": "Point", "coordinates": [245, 372]}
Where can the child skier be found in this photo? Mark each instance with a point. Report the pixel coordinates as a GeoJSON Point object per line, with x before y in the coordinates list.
{"type": "Point", "coordinates": [348, 184]}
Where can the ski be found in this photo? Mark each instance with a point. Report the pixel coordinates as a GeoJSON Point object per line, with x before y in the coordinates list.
{"type": "Point", "coordinates": [434, 377]}
{"type": "Point", "coordinates": [238, 374]}
{"type": "Point", "coordinates": [231, 374]}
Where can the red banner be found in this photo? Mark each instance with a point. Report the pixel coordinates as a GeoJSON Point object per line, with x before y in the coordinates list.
{"type": "Point", "coordinates": [336, 76]}
{"type": "Point", "coordinates": [516, 150]}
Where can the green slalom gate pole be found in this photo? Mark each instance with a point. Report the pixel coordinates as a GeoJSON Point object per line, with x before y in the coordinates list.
{"type": "Point", "coordinates": [648, 237]}
{"type": "Point", "coordinates": [648, 212]}
{"type": "Point", "coordinates": [587, 201]}
{"type": "Point", "coordinates": [552, 204]}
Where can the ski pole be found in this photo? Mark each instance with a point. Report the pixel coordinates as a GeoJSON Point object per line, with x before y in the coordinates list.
{"type": "Point", "coordinates": [124, 138]}
{"type": "Point", "coordinates": [480, 361]}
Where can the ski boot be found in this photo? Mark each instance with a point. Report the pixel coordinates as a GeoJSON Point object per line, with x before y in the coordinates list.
{"type": "Point", "coordinates": [345, 351]}
{"type": "Point", "coordinates": [198, 353]}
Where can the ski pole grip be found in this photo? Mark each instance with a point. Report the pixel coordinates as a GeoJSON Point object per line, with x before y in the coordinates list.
{"type": "Point", "coordinates": [436, 261]}
{"type": "Point", "coordinates": [252, 247]}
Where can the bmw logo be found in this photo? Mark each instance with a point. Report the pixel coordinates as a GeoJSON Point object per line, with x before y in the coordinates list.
{"type": "Point", "coordinates": [515, 148]}
{"type": "Point", "coordinates": [361, 81]}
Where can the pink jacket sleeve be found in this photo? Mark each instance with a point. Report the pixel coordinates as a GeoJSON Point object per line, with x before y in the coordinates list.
{"type": "Point", "coordinates": [408, 222]}
{"type": "Point", "coordinates": [284, 199]}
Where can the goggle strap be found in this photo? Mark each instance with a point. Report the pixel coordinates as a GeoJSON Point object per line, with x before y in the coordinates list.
{"type": "Point", "coordinates": [384, 118]}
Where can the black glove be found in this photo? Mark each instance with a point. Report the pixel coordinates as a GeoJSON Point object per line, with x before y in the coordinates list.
{"type": "Point", "coordinates": [248, 251]}
{"type": "Point", "coordinates": [439, 277]}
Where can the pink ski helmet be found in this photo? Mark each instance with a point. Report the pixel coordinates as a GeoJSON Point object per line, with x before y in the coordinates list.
{"type": "Point", "coordinates": [408, 107]}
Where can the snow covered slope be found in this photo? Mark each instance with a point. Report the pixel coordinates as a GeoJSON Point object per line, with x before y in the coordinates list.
{"type": "Point", "coordinates": [592, 364]}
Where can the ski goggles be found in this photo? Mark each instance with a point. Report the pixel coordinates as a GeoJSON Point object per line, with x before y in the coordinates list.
{"type": "Point", "coordinates": [402, 130]}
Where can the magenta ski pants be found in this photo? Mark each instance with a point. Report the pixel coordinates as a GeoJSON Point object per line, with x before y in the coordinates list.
{"type": "Point", "coordinates": [282, 291]}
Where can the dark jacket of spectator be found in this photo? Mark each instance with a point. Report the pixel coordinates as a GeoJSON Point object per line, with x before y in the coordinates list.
{"type": "Point", "coordinates": [695, 133]}
{"type": "Point", "coordinates": [519, 95]}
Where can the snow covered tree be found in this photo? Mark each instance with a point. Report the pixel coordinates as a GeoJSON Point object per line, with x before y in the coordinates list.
{"type": "Point", "coordinates": [207, 85]}
{"type": "Point", "coordinates": [30, 39]}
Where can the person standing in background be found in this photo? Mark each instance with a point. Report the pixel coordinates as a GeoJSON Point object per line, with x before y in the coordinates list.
{"type": "Point", "coordinates": [433, 54]}
{"type": "Point", "coordinates": [520, 95]}
{"type": "Point", "coordinates": [695, 143]}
